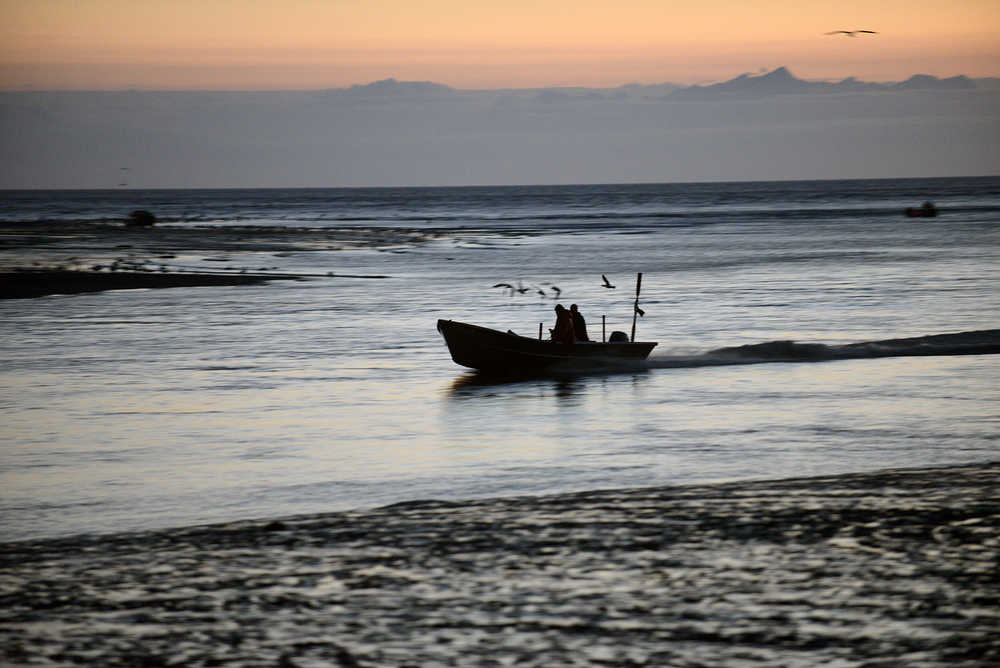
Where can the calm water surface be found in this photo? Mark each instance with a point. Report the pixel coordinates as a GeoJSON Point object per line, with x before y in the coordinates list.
{"type": "Point", "coordinates": [154, 408]}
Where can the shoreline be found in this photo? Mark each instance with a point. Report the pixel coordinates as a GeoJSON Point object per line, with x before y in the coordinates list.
{"type": "Point", "coordinates": [884, 568]}
{"type": "Point", "coordinates": [71, 257]}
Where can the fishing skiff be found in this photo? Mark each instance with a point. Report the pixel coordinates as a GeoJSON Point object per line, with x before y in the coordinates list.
{"type": "Point", "coordinates": [493, 351]}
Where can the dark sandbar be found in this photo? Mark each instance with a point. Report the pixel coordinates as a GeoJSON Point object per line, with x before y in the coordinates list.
{"type": "Point", "coordinates": [883, 569]}
{"type": "Point", "coordinates": [55, 257]}
{"type": "Point", "coordinates": [27, 284]}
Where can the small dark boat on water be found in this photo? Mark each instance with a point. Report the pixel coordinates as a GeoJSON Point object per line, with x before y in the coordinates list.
{"type": "Point", "coordinates": [493, 351]}
{"type": "Point", "coordinates": [926, 210]}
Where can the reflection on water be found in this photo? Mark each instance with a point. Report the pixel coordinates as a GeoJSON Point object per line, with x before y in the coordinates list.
{"type": "Point", "coordinates": [568, 388]}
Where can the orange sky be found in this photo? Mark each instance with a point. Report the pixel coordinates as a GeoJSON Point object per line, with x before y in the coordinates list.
{"type": "Point", "coordinates": [290, 44]}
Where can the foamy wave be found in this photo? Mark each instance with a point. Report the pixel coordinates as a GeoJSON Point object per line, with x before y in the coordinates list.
{"type": "Point", "coordinates": [980, 342]}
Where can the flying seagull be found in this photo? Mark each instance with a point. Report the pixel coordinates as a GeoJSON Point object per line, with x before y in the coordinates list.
{"type": "Point", "coordinates": [553, 288]}
{"type": "Point", "coordinates": [506, 287]}
{"type": "Point", "coordinates": [851, 33]}
{"type": "Point", "coordinates": [607, 283]}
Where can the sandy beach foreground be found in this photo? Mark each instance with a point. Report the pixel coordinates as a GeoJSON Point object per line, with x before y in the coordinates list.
{"type": "Point", "coordinates": [890, 568]}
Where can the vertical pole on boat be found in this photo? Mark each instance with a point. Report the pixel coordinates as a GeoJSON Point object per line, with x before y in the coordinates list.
{"type": "Point", "coordinates": [635, 307]}
{"type": "Point", "coordinates": [540, 331]}
{"type": "Point", "coordinates": [604, 329]}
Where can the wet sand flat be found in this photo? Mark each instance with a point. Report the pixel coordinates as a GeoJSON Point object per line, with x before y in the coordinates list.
{"type": "Point", "coordinates": [66, 257]}
{"type": "Point", "coordinates": [891, 568]}
{"type": "Point", "coordinates": [27, 284]}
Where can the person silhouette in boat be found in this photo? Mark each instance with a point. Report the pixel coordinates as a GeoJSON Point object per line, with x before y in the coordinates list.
{"type": "Point", "coordinates": [579, 324]}
{"type": "Point", "coordinates": [563, 331]}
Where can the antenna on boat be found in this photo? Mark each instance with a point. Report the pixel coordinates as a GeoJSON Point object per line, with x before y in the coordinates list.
{"type": "Point", "coordinates": [636, 311]}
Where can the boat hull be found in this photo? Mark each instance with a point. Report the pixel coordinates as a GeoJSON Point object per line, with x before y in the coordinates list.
{"type": "Point", "coordinates": [497, 352]}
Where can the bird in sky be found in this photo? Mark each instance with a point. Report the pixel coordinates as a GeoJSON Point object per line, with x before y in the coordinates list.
{"type": "Point", "coordinates": [506, 287]}
{"type": "Point", "coordinates": [607, 283]}
{"type": "Point", "coordinates": [851, 33]}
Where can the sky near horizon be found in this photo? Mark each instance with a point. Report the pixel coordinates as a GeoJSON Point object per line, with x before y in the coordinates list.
{"type": "Point", "coordinates": [315, 44]}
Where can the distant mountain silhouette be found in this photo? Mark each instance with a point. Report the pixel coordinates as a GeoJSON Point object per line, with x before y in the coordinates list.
{"type": "Point", "coordinates": [853, 85]}
{"type": "Point", "coordinates": [783, 82]}
{"type": "Point", "coordinates": [987, 82]}
{"type": "Point", "coordinates": [776, 82]}
{"type": "Point", "coordinates": [926, 82]}
{"type": "Point", "coordinates": [391, 90]}
{"type": "Point", "coordinates": [755, 127]}
{"type": "Point", "coordinates": [625, 92]}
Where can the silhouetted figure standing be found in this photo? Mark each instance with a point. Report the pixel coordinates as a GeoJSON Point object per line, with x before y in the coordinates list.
{"type": "Point", "coordinates": [579, 324]}
{"type": "Point", "coordinates": [563, 331]}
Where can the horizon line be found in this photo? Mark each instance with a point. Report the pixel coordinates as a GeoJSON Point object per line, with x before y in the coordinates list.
{"type": "Point", "coordinates": [758, 74]}
{"type": "Point", "coordinates": [512, 185]}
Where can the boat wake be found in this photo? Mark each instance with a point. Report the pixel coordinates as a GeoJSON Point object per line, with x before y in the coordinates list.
{"type": "Point", "coordinates": [981, 342]}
